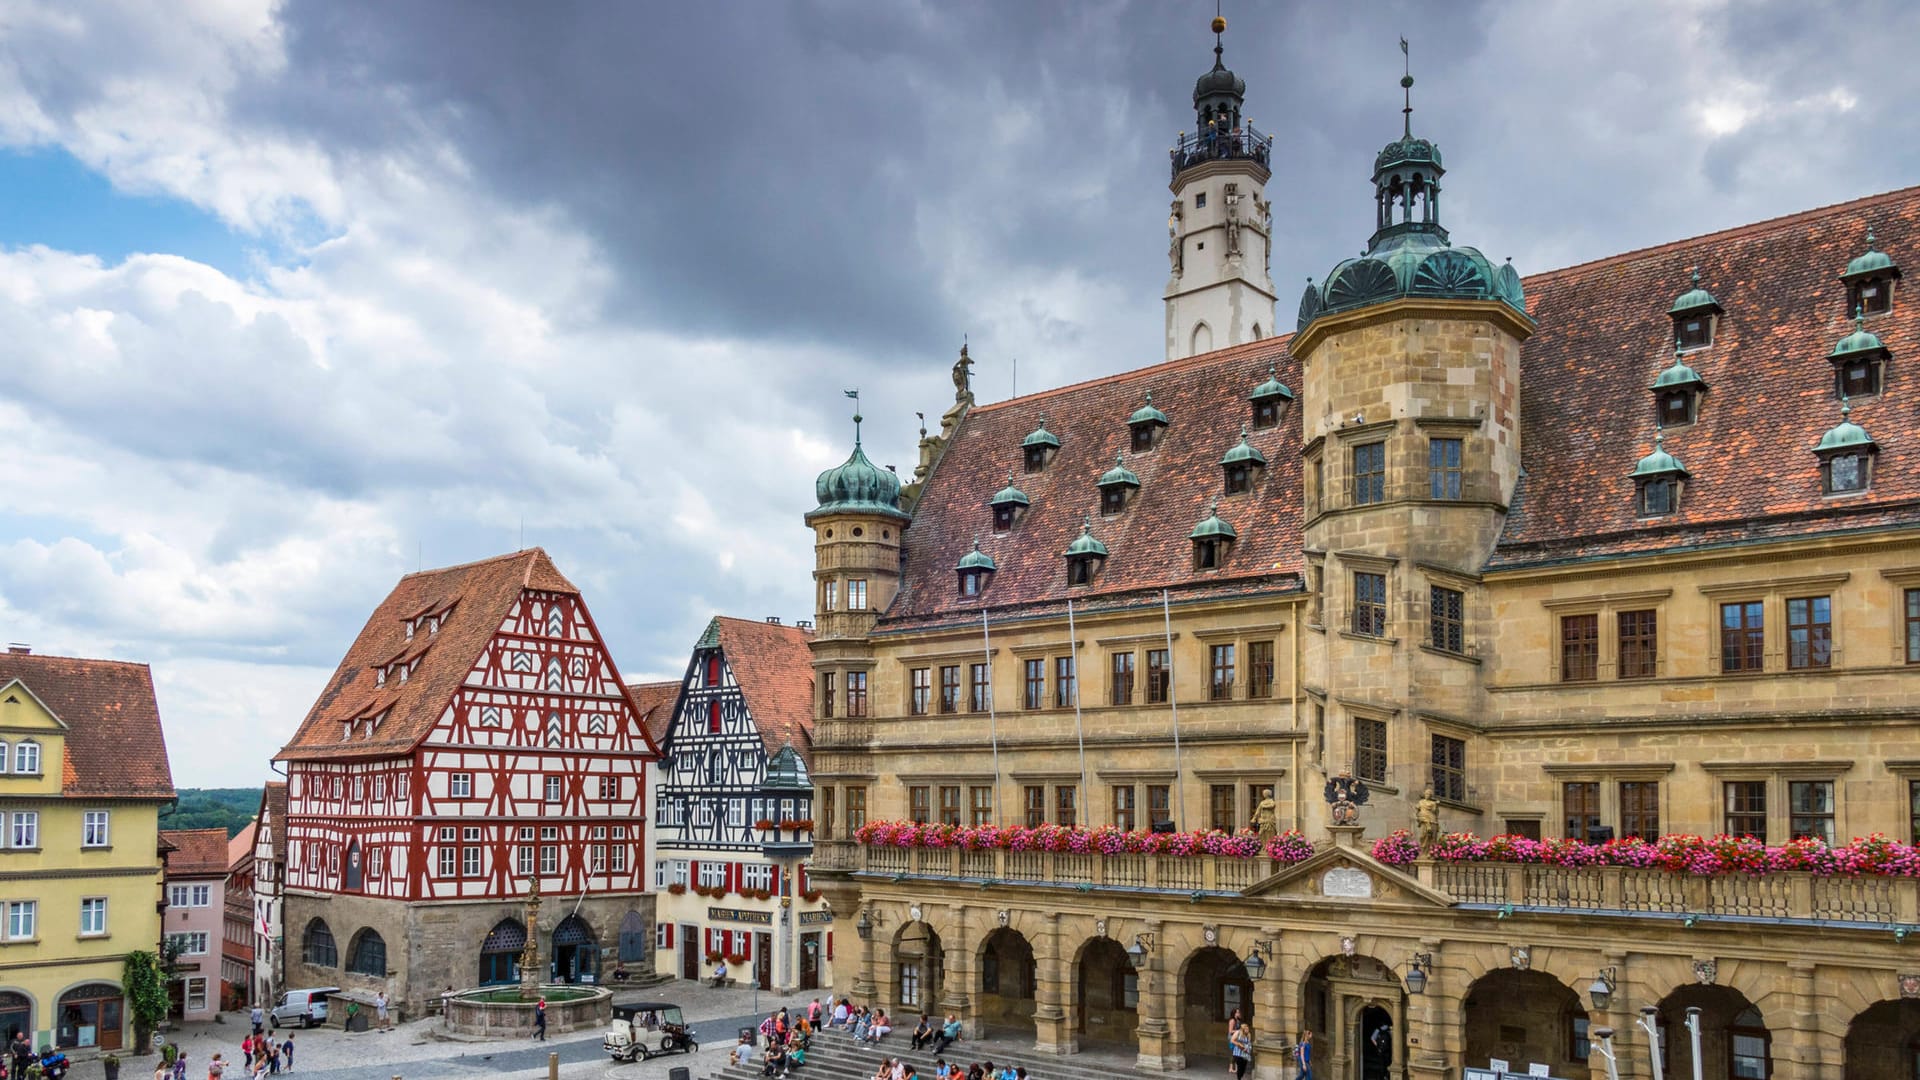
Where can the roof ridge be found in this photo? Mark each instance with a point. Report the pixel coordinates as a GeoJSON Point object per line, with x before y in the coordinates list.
{"type": "Point", "coordinates": [761, 622]}
{"type": "Point", "coordinates": [81, 659]}
{"type": "Point", "coordinates": [536, 550]}
{"type": "Point", "coordinates": [1737, 231]}
{"type": "Point", "coordinates": [1164, 366]}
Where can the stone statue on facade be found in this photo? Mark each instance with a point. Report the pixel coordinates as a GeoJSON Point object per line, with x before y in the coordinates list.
{"type": "Point", "coordinates": [1266, 816]}
{"type": "Point", "coordinates": [962, 378]}
{"type": "Point", "coordinates": [1174, 247]}
{"type": "Point", "coordinates": [1346, 794]}
{"type": "Point", "coordinates": [1233, 222]}
{"type": "Point", "coordinates": [1426, 820]}
{"type": "Point", "coordinates": [1263, 212]}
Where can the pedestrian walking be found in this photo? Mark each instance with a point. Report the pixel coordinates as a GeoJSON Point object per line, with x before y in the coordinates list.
{"type": "Point", "coordinates": [540, 1020]}
{"type": "Point", "coordinates": [1240, 1051]}
{"type": "Point", "coordinates": [1303, 1055]}
{"type": "Point", "coordinates": [216, 1068]}
{"type": "Point", "coordinates": [259, 1018]}
{"type": "Point", "coordinates": [380, 1011]}
{"type": "Point", "coordinates": [286, 1050]}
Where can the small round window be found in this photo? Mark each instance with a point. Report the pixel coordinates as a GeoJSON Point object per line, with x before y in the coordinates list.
{"type": "Point", "coordinates": [886, 534]}
{"type": "Point", "coordinates": [829, 534]}
{"type": "Point", "coordinates": [858, 531]}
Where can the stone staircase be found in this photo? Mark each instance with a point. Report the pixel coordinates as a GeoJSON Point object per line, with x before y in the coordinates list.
{"type": "Point", "coordinates": [835, 1056]}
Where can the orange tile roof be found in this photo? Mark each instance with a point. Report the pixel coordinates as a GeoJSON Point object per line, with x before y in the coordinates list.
{"type": "Point", "coordinates": [654, 702]}
{"type": "Point", "coordinates": [273, 805]}
{"type": "Point", "coordinates": [196, 852]}
{"type": "Point", "coordinates": [477, 598]}
{"type": "Point", "coordinates": [115, 745]}
{"type": "Point", "coordinates": [774, 668]}
{"type": "Point", "coordinates": [240, 848]}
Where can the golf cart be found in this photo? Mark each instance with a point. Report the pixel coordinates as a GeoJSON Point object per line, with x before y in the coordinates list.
{"type": "Point", "coordinates": [647, 1028]}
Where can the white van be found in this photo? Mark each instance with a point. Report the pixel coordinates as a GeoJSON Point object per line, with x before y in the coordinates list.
{"type": "Point", "coordinates": [307, 1008]}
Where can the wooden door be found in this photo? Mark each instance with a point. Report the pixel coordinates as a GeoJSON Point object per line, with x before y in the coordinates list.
{"type": "Point", "coordinates": [810, 961]}
{"type": "Point", "coordinates": [763, 959]}
{"type": "Point", "coordinates": [690, 952]}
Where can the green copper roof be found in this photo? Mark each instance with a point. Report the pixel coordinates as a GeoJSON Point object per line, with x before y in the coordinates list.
{"type": "Point", "coordinates": [710, 639]}
{"type": "Point", "coordinates": [858, 487]}
{"type": "Point", "coordinates": [1246, 452]}
{"type": "Point", "coordinates": [1041, 436]}
{"type": "Point", "coordinates": [1009, 494]}
{"type": "Point", "coordinates": [1273, 387]}
{"type": "Point", "coordinates": [1873, 262]}
{"type": "Point", "coordinates": [1860, 341]}
{"type": "Point", "coordinates": [1147, 414]}
{"type": "Point", "coordinates": [1658, 463]}
{"type": "Point", "coordinates": [1212, 527]}
{"type": "Point", "coordinates": [1846, 435]}
{"type": "Point", "coordinates": [1694, 299]}
{"type": "Point", "coordinates": [1119, 475]}
{"type": "Point", "coordinates": [1678, 376]}
{"type": "Point", "coordinates": [786, 772]}
{"type": "Point", "coordinates": [1085, 544]}
{"type": "Point", "coordinates": [976, 559]}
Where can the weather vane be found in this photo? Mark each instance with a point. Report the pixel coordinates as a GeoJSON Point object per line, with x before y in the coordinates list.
{"type": "Point", "coordinates": [855, 395]}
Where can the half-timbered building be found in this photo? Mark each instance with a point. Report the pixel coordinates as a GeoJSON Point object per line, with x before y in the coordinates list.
{"type": "Point", "coordinates": [269, 872]}
{"type": "Point", "coordinates": [476, 740]}
{"type": "Point", "coordinates": [733, 814]}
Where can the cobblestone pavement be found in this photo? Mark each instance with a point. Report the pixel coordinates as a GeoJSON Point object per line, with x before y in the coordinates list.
{"type": "Point", "coordinates": [420, 1050]}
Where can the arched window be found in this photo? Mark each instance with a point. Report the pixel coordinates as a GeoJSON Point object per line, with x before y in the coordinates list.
{"type": "Point", "coordinates": [16, 1014]}
{"type": "Point", "coordinates": [316, 945]}
{"type": "Point", "coordinates": [26, 757]}
{"type": "Point", "coordinates": [500, 953]}
{"type": "Point", "coordinates": [1202, 339]}
{"type": "Point", "coordinates": [90, 1015]}
{"type": "Point", "coordinates": [368, 956]}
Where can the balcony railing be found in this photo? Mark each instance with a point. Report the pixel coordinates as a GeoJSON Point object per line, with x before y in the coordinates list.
{"type": "Point", "coordinates": [1240, 144]}
{"type": "Point", "coordinates": [1606, 890]}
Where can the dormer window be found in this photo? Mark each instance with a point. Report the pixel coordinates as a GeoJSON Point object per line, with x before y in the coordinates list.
{"type": "Point", "coordinates": [1676, 408]}
{"type": "Point", "coordinates": [1079, 571]}
{"type": "Point", "coordinates": [1693, 315]}
{"type": "Point", "coordinates": [379, 678]}
{"type": "Point", "coordinates": [1844, 472]}
{"type": "Point", "coordinates": [1270, 399]}
{"type": "Point", "coordinates": [1659, 497]}
{"type": "Point", "coordinates": [1677, 392]}
{"type": "Point", "coordinates": [1037, 449]}
{"type": "Point", "coordinates": [26, 758]}
{"type": "Point", "coordinates": [1212, 539]}
{"type": "Point", "coordinates": [1658, 480]}
{"type": "Point", "coordinates": [1147, 423]}
{"type": "Point", "coordinates": [1085, 556]}
{"type": "Point", "coordinates": [1857, 361]}
{"type": "Point", "coordinates": [1869, 280]}
{"type": "Point", "coordinates": [975, 569]}
{"type": "Point", "coordinates": [1241, 465]}
{"type": "Point", "coordinates": [1846, 454]}
{"type": "Point", "coordinates": [1007, 505]}
{"type": "Point", "coordinates": [1116, 485]}
{"type": "Point", "coordinates": [1695, 332]}
{"type": "Point", "coordinates": [1113, 501]}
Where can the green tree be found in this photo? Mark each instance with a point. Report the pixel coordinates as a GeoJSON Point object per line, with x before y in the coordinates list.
{"type": "Point", "coordinates": [145, 979]}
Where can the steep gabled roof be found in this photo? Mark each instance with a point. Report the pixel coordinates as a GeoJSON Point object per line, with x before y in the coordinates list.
{"type": "Point", "coordinates": [196, 853]}
{"type": "Point", "coordinates": [474, 599]}
{"type": "Point", "coordinates": [273, 807]}
{"type": "Point", "coordinates": [240, 848]}
{"type": "Point", "coordinates": [1206, 401]}
{"type": "Point", "coordinates": [115, 745]}
{"type": "Point", "coordinates": [654, 702]}
{"type": "Point", "coordinates": [1605, 334]}
{"type": "Point", "coordinates": [774, 668]}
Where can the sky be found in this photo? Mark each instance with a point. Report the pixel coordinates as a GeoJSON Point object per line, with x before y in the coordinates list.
{"type": "Point", "coordinates": [298, 297]}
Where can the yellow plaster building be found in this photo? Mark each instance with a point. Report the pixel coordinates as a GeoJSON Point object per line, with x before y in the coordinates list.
{"type": "Point", "coordinates": [84, 776]}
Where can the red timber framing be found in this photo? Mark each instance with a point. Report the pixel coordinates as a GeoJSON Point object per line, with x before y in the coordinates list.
{"type": "Point", "coordinates": [536, 767]}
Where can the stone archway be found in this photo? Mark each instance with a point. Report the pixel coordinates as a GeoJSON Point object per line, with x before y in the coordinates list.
{"type": "Point", "coordinates": [919, 964]}
{"type": "Point", "coordinates": [1884, 1041]}
{"type": "Point", "coordinates": [1107, 999]}
{"type": "Point", "coordinates": [576, 951]}
{"type": "Point", "coordinates": [500, 953]}
{"type": "Point", "coordinates": [1356, 1009]}
{"type": "Point", "coordinates": [1007, 981]}
{"type": "Point", "coordinates": [1526, 1016]}
{"type": "Point", "coordinates": [1735, 1043]}
{"type": "Point", "coordinates": [1213, 984]}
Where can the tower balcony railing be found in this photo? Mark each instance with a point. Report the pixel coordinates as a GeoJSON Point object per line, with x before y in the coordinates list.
{"type": "Point", "coordinates": [1239, 144]}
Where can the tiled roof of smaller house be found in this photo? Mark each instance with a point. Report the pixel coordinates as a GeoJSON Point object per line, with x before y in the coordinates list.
{"type": "Point", "coordinates": [475, 598]}
{"type": "Point", "coordinates": [196, 853]}
{"type": "Point", "coordinates": [654, 702]}
{"type": "Point", "coordinates": [240, 848]}
{"type": "Point", "coordinates": [1205, 399]}
{"type": "Point", "coordinates": [115, 745]}
{"type": "Point", "coordinates": [774, 668]}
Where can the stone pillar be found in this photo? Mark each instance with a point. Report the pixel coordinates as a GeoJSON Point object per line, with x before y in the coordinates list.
{"type": "Point", "coordinates": [959, 974]}
{"type": "Point", "coordinates": [1435, 1032]}
{"type": "Point", "coordinates": [1160, 1049]}
{"type": "Point", "coordinates": [1273, 1013]}
{"type": "Point", "coordinates": [865, 989]}
{"type": "Point", "coordinates": [1053, 993]}
{"type": "Point", "coordinates": [1803, 1056]}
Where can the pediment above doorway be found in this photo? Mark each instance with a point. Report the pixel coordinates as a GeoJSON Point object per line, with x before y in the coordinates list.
{"type": "Point", "coordinates": [1346, 876]}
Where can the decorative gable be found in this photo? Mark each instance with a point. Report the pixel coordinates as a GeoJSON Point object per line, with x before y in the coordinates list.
{"type": "Point", "coordinates": [1346, 877]}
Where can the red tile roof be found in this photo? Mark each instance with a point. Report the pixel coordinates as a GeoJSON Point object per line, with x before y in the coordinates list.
{"type": "Point", "coordinates": [115, 746]}
{"type": "Point", "coordinates": [654, 702]}
{"type": "Point", "coordinates": [479, 595]}
{"type": "Point", "coordinates": [240, 848]}
{"type": "Point", "coordinates": [273, 806]}
{"type": "Point", "coordinates": [1604, 333]}
{"type": "Point", "coordinates": [1205, 399]}
{"type": "Point", "coordinates": [196, 853]}
{"type": "Point", "coordinates": [774, 668]}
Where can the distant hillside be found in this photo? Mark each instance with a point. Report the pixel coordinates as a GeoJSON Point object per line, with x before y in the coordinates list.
{"type": "Point", "coordinates": [213, 808]}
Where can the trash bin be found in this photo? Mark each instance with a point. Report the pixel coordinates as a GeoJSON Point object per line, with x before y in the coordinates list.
{"type": "Point", "coordinates": [679, 1072]}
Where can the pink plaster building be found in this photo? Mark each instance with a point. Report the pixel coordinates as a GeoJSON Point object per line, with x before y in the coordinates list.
{"type": "Point", "coordinates": [195, 918]}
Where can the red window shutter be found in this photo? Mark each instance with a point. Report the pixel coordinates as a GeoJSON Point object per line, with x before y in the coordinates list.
{"type": "Point", "coordinates": [693, 872]}
{"type": "Point", "coordinates": [713, 669]}
{"type": "Point", "coordinates": [776, 881]}
{"type": "Point", "coordinates": [829, 944]}
{"type": "Point", "coordinates": [666, 934]}
{"type": "Point", "coordinates": [713, 717]}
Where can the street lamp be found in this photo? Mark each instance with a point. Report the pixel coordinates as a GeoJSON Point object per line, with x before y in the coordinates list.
{"type": "Point", "coordinates": [1141, 948]}
{"type": "Point", "coordinates": [1693, 1029]}
{"type": "Point", "coordinates": [1605, 1035]}
{"type": "Point", "coordinates": [1417, 977]}
{"type": "Point", "coordinates": [1650, 1024]}
{"type": "Point", "coordinates": [1255, 962]}
{"type": "Point", "coordinates": [865, 926]}
{"type": "Point", "coordinates": [1600, 992]}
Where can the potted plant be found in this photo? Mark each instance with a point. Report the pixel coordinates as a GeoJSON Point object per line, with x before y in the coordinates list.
{"type": "Point", "coordinates": [677, 889]}
{"type": "Point", "coordinates": [764, 824]}
{"type": "Point", "coordinates": [111, 1062]}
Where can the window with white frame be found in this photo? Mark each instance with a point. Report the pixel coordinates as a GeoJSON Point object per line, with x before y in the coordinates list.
{"type": "Point", "coordinates": [679, 872]}
{"type": "Point", "coordinates": [202, 895]}
{"type": "Point", "coordinates": [523, 860]}
{"type": "Point", "coordinates": [380, 788]}
{"type": "Point", "coordinates": [22, 919]}
{"type": "Point", "coordinates": [460, 785]}
{"type": "Point", "coordinates": [553, 789]}
{"type": "Point", "coordinates": [550, 859]}
{"type": "Point", "coordinates": [597, 859]}
{"type": "Point", "coordinates": [449, 854]}
{"type": "Point", "coordinates": [191, 943]}
{"type": "Point", "coordinates": [25, 830]}
{"type": "Point", "coordinates": [756, 877]}
{"type": "Point", "coordinates": [93, 916]}
{"type": "Point", "coordinates": [660, 935]}
{"type": "Point", "coordinates": [619, 858]}
{"type": "Point", "coordinates": [93, 828]}
{"type": "Point", "coordinates": [26, 757]}
{"type": "Point", "coordinates": [197, 993]}
{"type": "Point", "coordinates": [713, 875]}
{"type": "Point", "coordinates": [469, 862]}
{"type": "Point", "coordinates": [737, 813]}
{"type": "Point", "coordinates": [609, 787]}
{"type": "Point", "coordinates": [660, 873]}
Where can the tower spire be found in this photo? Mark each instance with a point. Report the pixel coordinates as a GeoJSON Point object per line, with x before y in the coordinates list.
{"type": "Point", "coordinates": [1406, 88]}
{"type": "Point", "coordinates": [855, 395]}
{"type": "Point", "coordinates": [1219, 47]}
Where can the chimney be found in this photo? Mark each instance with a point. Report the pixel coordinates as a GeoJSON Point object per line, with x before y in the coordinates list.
{"type": "Point", "coordinates": [773, 620]}
{"type": "Point", "coordinates": [803, 624]}
{"type": "Point", "coordinates": [19, 648]}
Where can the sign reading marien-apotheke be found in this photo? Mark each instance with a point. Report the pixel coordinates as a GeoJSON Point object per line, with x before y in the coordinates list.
{"type": "Point", "coordinates": [737, 915]}
{"type": "Point", "coordinates": [815, 918]}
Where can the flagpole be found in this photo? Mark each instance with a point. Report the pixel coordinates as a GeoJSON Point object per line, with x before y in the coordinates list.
{"type": "Point", "coordinates": [1073, 661]}
{"type": "Point", "coordinates": [1179, 777]}
{"type": "Point", "coordinates": [993, 722]}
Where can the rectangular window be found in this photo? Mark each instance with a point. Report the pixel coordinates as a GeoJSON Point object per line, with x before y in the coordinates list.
{"type": "Point", "coordinates": [1159, 677]}
{"type": "Point", "coordinates": [609, 787]}
{"type": "Point", "coordinates": [23, 920]}
{"type": "Point", "coordinates": [950, 689]}
{"type": "Point", "coordinates": [1580, 809]}
{"type": "Point", "coordinates": [1446, 629]}
{"type": "Point", "coordinates": [470, 862]}
{"type": "Point", "coordinates": [448, 855]}
{"type": "Point", "coordinates": [1742, 636]}
{"type": "Point", "coordinates": [856, 693]}
{"type": "Point", "coordinates": [826, 695]}
{"type": "Point", "coordinates": [1443, 468]}
{"type": "Point", "coordinates": [619, 858]}
{"type": "Point", "coordinates": [1640, 809]}
{"type": "Point", "coordinates": [26, 761]}
{"type": "Point", "coordinates": [1528, 828]}
{"type": "Point", "coordinates": [1747, 808]}
{"type": "Point", "coordinates": [26, 829]}
{"type": "Point", "coordinates": [93, 829]}
{"type": "Point", "coordinates": [1220, 807]}
{"type": "Point", "coordinates": [1370, 749]}
{"type": "Point", "coordinates": [1639, 644]}
{"type": "Point", "coordinates": [737, 812]}
{"type": "Point", "coordinates": [460, 785]}
{"type": "Point", "coordinates": [1810, 802]}
{"type": "Point", "coordinates": [977, 697]}
{"type": "Point", "coordinates": [857, 594]}
{"type": "Point", "coordinates": [1221, 661]}
{"type": "Point", "coordinates": [909, 984]}
{"type": "Point", "coordinates": [1120, 687]}
{"type": "Point", "coordinates": [93, 916]}
{"type": "Point", "coordinates": [197, 994]}
{"type": "Point", "coordinates": [919, 803]}
{"type": "Point", "coordinates": [1450, 768]}
{"type": "Point", "coordinates": [1159, 804]}
{"type": "Point", "coordinates": [1810, 632]}
{"type": "Point", "coordinates": [1369, 473]}
{"type": "Point", "coordinates": [856, 808]}
{"type": "Point", "coordinates": [1066, 799]}
{"type": "Point", "coordinates": [1369, 604]}
{"type": "Point", "coordinates": [1913, 626]}
{"type": "Point", "coordinates": [922, 689]}
{"type": "Point", "coordinates": [549, 859]}
{"type": "Point", "coordinates": [1579, 648]}
{"type": "Point", "coordinates": [980, 805]}
{"type": "Point", "coordinates": [950, 805]}
{"type": "Point", "coordinates": [713, 875]}
{"type": "Point", "coordinates": [1913, 811]}
{"type": "Point", "coordinates": [1036, 697]}
{"type": "Point", "coordinates": [190, 943]}
{"type": "Point", "coordinates": [1259, 669]}
{"type": "Point", "coordinates": [1034, 800]}
{"type": "Point", "coordinates": [829, 595]}
{"type": "Point", "coordinates": [1065, 685]}
{"type": "Point", "coordinates": [1123, 807]}
{"type": "Point", "coordinates": [553, 787]}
